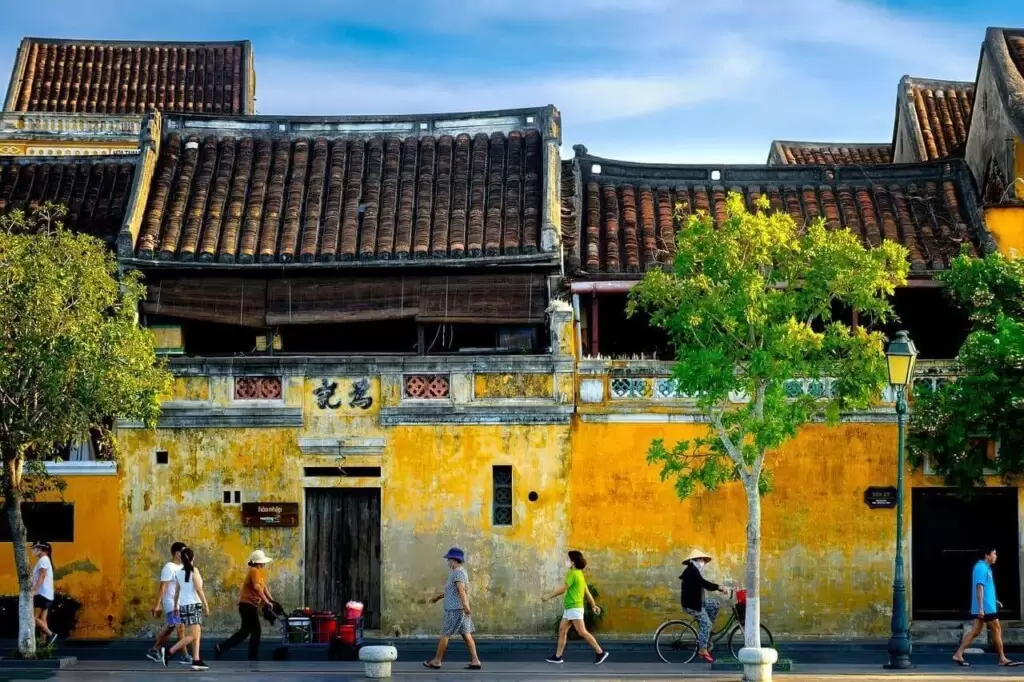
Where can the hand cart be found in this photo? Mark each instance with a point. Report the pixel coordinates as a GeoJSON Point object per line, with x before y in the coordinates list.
{"type": "Point", "coordinates": [340, 635]}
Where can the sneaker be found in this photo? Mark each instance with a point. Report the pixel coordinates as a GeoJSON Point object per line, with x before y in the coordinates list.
{"type": "Point", "coordinates": [185, 659]}
{"type": "Point", "coordinates": [52, 640]}
{"type": "Point", "coordinates": [601, 658]}
{"type": "Point", "coordinates": [153, 655]}
{"type": "Point", "coordinates": [199, 664]}
{"type": "Point", "coordinates": [163, 656]}
{"type": "Point", "coordinates": [554, 659]}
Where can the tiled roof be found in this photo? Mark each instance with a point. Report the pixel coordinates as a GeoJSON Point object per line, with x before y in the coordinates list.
{"type": "Point", "coordinates": [627, 224]}
{"type": "Point", "coordinates": [115, 77]}
{"type": "Point", "coordinates": [335, 190]}
{"type": "Point", "coordinates": [934, 116]}
{"type": "Point", "coordinates": [570, 202]}
{"type": "Point", "coordinates": [95, 191]}
{"type": "Point", "coordinates": [785, 153]}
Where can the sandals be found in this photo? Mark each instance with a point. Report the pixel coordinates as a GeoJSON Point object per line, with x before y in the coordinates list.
{"type": "Point", "coordinates": [962, 663]}
{"type": "Point", "coordinates": [707, 657]}
{"type": "Point", "coordinates": [471, 666]}
{"type": "Point", "coordinates": [431, 665]}
{"type": "Point", "coordinates": [1011, 664]}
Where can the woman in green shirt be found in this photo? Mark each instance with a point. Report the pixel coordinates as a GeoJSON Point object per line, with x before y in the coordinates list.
{"type": "Point", "coordinates": [575, 590]}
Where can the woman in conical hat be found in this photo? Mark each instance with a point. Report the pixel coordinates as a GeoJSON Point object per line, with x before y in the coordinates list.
{"type": "Point", "coordinates": [694, 601]}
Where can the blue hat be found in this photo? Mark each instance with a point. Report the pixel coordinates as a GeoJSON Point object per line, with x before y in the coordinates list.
{"type": "Point", "coordinates": [457, 554]}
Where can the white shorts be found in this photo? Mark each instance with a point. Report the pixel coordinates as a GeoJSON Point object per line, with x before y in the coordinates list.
{"type": "Point", "coordinates": [572, 614]}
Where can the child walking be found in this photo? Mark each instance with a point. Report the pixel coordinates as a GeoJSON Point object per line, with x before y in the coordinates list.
{"type": "Point", "coordinates": [575, 590]}
{"type": "Point", "coordinates": [190, 604]}
{"type": "Point", "coordinates": [457, 615]}
{"type": "Point", "coordinates": [42, 589]}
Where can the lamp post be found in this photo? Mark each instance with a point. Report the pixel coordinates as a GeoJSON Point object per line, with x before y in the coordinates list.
{"type": "Point", "coordinates": [900, 357]}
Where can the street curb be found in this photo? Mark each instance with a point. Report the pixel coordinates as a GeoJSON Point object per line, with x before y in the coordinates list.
{"type": "Point", "coordinates": [10, 663]}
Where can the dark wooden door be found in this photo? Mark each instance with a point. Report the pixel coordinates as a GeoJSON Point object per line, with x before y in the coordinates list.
{"type": "Point", "coordinates": [948, 530]}
{"type": "Point", "coordinates": [343, 550]}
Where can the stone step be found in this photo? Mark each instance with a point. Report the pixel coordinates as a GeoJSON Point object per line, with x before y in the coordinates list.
{"type": "Point", "coordinates": [951, 632]}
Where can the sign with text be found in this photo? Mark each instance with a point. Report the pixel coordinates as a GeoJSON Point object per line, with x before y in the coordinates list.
{"type": "Point", "coordinates": [880, 498]}
{"type": "Point", "coordinates": [270, 514]}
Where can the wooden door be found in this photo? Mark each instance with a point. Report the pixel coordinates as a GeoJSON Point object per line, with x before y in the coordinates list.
{"type": "Point", "coordinates": [948, 528]}
{"type": "Point", "coordinates": [343, 550]}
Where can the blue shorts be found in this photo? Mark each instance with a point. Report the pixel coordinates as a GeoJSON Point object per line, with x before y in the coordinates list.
{"type": "Point", "coordinates": [173, 619]}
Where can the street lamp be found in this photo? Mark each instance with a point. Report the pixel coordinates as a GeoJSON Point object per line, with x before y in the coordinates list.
{"type": "Point", "coordinates": [901, 355]}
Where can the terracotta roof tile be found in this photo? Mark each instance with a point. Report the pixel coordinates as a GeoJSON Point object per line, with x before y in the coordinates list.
{"type": "Point", "coordinates": [246, 199]}
{"type": "Point", "coordinates": [934, 116]}
{"type": "Point", "coordinates": [785, 153]}
{"type": "Point", "coordinates": [95, 190]}
{"type": "Point", "coordinates": [627, 224]}
{"type": "Point", "coordinates": [115, 77]}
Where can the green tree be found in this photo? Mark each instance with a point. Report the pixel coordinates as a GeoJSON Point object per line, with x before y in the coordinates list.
{"type": "Point", "coordinates": [71, 355]}
{"type": "Point", "coordinates": [986, 402]}
{"type": "Point", "coordinates": [748, 306]}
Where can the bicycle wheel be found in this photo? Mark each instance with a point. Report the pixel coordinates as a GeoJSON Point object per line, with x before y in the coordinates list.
{"type": "Point", "coordinates": [676, 642]}
{"type": "Point", "coordinates": [736, 639]}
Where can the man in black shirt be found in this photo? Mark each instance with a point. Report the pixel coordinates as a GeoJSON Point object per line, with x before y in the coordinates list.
{"type": "Point", "coordinates": [695, 603]}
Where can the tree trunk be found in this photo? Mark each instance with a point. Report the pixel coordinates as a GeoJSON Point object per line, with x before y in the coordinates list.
{"type": "Point", "coordinates": [16, 524]}
{"type": "Point", "coordinates": [752, 626]}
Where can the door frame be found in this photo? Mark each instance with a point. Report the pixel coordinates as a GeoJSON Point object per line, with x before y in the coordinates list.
{"type": "Point", "coordinates": [908, 539]}
{"type": "Point", "coordinates": [342, 482]}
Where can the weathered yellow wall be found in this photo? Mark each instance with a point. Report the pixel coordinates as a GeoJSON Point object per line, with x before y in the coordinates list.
{"type": "Point", "coordinates": [438, 494]}
{"type": "Point", "coordinates": [827, 562]}
{"type": "Point", "coordinates": [1006, 223]}
{"type": "Point", "coordinates": [88, 569]}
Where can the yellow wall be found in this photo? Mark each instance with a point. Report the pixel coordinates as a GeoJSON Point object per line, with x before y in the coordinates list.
{"type": "Point", "coordinates": [1006, 223]}
{"type": "Point", "coordinates": [88, 569]}
{"type": "Point", "coordinates": [827, 558]}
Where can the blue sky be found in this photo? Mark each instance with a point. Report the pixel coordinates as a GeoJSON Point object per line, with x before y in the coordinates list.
{"type": "Point", "coordinates": [647, 80]}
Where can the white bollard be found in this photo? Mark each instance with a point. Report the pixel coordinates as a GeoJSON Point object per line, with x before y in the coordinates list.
{"type": "Point", "coordinates": [377, 660]}
{"type": "Point", "coordinates": [757, 664]}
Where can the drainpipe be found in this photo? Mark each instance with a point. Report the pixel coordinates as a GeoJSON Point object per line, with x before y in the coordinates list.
{"type": "Point", "coordinates": [576, 325]}
{"type": "Point", "coordinates": [594, 350]}
{"type": "Point", "coordinates": [602, 287]}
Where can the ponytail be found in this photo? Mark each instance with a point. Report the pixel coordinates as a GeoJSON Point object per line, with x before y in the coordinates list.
{"type": "Point", "coordinates": [187, 555]}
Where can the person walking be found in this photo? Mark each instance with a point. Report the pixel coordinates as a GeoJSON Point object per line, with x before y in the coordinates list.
{"type": "Point", "coordinates": [165, 602]}
{"type": "Point", "coordinates": [254, 594]}
{"type": "Point", "coordinates": [458, 618]}
{"type": "Point", "coordinates": [189, 604]}
{"type": "Point", "coordinates": [576, 591]}
{"type": "Point", "coordinates": [984, 609]}
{"type": "Point", "coordinates": [694, 601]}
{"type": "Point", "coordinates": [42, 589]}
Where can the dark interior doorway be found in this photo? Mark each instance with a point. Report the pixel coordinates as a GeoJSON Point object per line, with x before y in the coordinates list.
{"type": "Point", "coordinates": [343, 540]}
{"type": "Point", "coordinates": [948, 530]}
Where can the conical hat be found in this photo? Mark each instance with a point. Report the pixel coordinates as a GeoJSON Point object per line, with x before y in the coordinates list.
{"type": "Point", "coordinates": [696, 554]}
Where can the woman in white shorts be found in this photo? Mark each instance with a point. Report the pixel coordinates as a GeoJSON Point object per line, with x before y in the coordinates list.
{"type": "Point", "coordinates": [576, 591]}
{"type": "Point", "coordinates": [189, 604]}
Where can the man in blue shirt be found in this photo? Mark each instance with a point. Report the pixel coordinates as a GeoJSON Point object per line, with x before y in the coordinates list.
{"type": "Point", "coordinates": [984, 609]}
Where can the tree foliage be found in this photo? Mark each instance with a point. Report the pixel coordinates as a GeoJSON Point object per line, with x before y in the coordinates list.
{"type": "Point", "coordinates": [986, 401]}
{"type": "Point", "coordinates": [749, 306]}
{"type": "Point", "coordinates": [72, 355]}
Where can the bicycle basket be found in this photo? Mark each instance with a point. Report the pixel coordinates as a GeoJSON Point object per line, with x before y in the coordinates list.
{"type": "Point", "coordinates": [740, 609]}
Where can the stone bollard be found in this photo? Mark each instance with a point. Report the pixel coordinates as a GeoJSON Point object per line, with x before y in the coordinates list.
{"type": "Point", "coordinates": [377, 660]}
{"type": "Point", "coordinates": [757, 664]}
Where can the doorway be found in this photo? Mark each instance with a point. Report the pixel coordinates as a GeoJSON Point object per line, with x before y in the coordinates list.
{"type": "Point", "coordinates": [948, 529]}
{"type": "Point", "coordinates": [343, 540]}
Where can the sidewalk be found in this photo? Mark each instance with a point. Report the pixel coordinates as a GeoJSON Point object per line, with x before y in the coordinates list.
{"type": "Point", "coordinates": [98, 671]}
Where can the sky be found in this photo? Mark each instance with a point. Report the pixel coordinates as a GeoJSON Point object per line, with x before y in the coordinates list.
{"type": "Point", "coordinates": [672, 81]}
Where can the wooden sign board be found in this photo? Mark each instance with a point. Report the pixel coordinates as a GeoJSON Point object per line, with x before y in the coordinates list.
{"type": "Point", "coordinates": [880, 498]}
{"type": "Point", "coordinates": [270, 514]}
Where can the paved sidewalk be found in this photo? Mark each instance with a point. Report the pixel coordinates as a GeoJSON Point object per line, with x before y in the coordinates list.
{"type": "Point", "coordinates": [119, 671]}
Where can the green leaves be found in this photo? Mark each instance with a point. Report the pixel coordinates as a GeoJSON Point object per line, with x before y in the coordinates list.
{"type": "Point", "coordinates": [954, 424]}
{"type": "Point", "coordinates": [748, 306]}
{"type": "Point", "coordinates": [71, 351]}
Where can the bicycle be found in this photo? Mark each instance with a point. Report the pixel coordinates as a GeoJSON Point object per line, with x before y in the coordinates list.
{"type": "Point", "coordinates": [676, 640]}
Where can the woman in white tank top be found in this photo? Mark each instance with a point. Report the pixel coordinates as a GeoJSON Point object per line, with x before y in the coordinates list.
{"type": "Point", "coordinates": [190, 604]}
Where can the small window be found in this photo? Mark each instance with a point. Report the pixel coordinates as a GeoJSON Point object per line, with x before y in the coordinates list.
{"type": "Point", "coordinates": [227, 497]}
{"type": "Point", "coordinates": [596, 169]}
{"type": "Point", "coordinates": [502, 505]}
{"type": "Point", "coordinates": [45, 522]}
{"type": "Point", "coordinates": [232, 497]}
{"type": "Point", "coordinates": [238, 497]}
{"type": "Point", "coordinates": [161, 457]}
